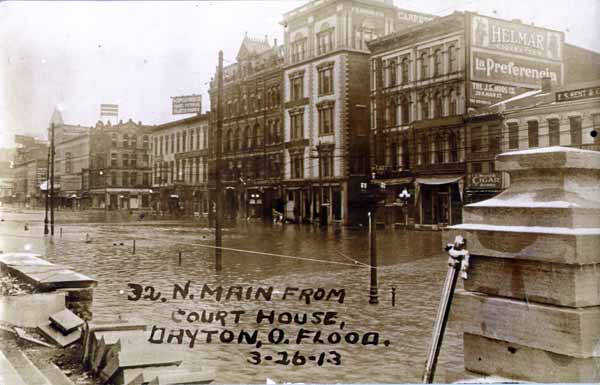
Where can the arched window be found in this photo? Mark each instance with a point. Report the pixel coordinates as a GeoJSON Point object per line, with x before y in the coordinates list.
{"type": "Point", "coordinates": [453, 105]}
{"type": "Point", "coordinates": [405, 154]}
{"type": "Point", "coordinates": [452, 59]}
{"type": "Point", "coordinates": [134, 141]}
{"type": "Point", "coordinates": [439, 149]}
{"type": "Point", "coordinates": [437, 62]}
{"type": "Point", "coordinates": [259, 135]}
{"type": "Point", "coordinates": [425, 159]}
{"type": "Point", "coordinates": [405, 111]}
{"type": "Point", "coordinates": [438, 108]}
{"type": "Point", "coordinates": [393, 161]}
{"type": "Point", "coordinates": [424, 59]}
{"type": "Point", "coordinates": [453, 148]}
{"type": "Point", "coordinates": [404, 69]}
{"type": "Point", "coordinates": [424, 107]}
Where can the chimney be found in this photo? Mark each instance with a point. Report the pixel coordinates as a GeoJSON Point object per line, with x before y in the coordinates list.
{"type": "Point", "coordinates": [546, 85]}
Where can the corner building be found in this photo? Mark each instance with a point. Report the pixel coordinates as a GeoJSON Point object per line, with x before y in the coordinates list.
{"type": "Point", "coordinates": [326, 104]}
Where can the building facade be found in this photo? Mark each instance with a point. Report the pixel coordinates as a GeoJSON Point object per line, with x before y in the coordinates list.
{"type": "Point", "coordinates": [119, 176]}
{"type": "Point", "coordinates": [30, 169]}
{"type": "Point", "coordinates": [326, 104]}
{"type": "Point", "coordinates": [179, 154]}
{"type": "Point", "coordinates": [252, 133]}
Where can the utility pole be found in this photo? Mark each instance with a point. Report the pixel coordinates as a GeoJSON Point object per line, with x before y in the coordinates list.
{"type": "Point", "coordinates": [52, 181]}
{"type": "Point", "coordinates": [218, 188]}
{"type": "Point", "coordinates": [323, 218]}
{"type": "Point", "coordinates": [46, 193]}
{"type": "Point", "coordinates": [373, 253]}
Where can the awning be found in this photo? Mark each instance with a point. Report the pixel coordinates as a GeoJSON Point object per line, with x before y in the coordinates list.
{"type": "Point", "coordinates": [438, 180]}
{"type": "Point", "coordinates": [393, 182]}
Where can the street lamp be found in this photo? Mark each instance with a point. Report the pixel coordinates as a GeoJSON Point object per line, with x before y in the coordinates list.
{"type": "Point", "coordinates": [404, 196]}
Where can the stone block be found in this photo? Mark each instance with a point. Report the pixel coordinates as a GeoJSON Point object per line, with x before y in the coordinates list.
{"type": "Point", "coordinates": [66, 321]}
{"type": "Point", "coordinates": [195, 378]}
{"type": "Point", "coordinates": [548, 158]}
{"type": "Point", "coordinates": [30, 310]}
{"type": "Point", "coordinates": [135, 357]}
{"type": "Point", "coordinates": [571, 332]}
{"type": "Point", "coordinates": [551, 283]}
{"type": "Point", "coordinates": [56, 337]}
{"type": "Point", "coordinates": [490, 356]}
{"type": "Point", "coordinates": [555, 245]}
{"type": "Point", "coordinates": [500, 211]}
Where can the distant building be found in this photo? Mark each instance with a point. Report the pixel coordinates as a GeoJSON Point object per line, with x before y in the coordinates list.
{"type": "Point", "coordinates": [71, 160]}
{"type": "Point", "coordinates": [326, 110]}
{"type": "Point", "coordinates": [252, 136]}
{"type": "Point", "coordinates": [119, 175]}
{"type": "Point", "coordinates": [180, 166]}
{"type": "Point", "coordinates": [30, 171]}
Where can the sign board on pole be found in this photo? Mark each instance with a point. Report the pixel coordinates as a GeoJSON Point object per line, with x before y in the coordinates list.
{"type": "Point", "coordinates": [191, 104]}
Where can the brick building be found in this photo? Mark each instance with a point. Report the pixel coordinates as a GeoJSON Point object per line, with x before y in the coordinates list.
{"type": "Point", "coordinates": [252, 135]}
{"type": "Point", "coordinates": [120, 172]}
{"type": "Point", "coordinates": [180, 166]}
{"type": "Point", "coordinates": [325, 120]}
{"type": "Point", "coordinates": [30, 169]}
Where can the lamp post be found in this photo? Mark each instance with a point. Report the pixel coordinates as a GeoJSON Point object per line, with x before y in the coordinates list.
{"type": "Point", "coordinates": [404, 196]}
{"type": "Point", "coordinates": [373, 199]}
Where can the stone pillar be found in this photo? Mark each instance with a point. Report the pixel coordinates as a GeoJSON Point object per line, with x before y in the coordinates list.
{"type": "Point", "coordinates": [530, 308]}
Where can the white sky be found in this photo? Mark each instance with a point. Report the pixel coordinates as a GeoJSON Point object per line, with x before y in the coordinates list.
{"type": "Point", "coordinates": [77, 55]}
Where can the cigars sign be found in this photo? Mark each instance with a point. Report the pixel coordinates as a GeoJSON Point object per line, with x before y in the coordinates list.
{"type": "Point", "coordinates": [485, 181]}
{"type": "Point", "coordinates": [516, 38]}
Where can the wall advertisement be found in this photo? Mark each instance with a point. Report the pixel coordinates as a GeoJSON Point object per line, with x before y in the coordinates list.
{"type": "Point", "coordinates": [191, 104]}
{"type": "Point", "coordinates": [497, 68]}
{"type": "Point", "coordinates": [486, 94]}
{"type": "Point", "coordinates": [516, 38]}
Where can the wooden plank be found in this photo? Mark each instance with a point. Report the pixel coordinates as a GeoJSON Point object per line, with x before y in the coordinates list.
{"type": "Point", "coordinates": [568, 331]}
{"type": "Point", "coordinates": [26, 368]}
{"type": "Point", "coordinates": [552, 283]}
{"type": "Point", "coordinates": [8, 374]}
{"type": "Point", "coordinates": [491, 356]}
{"type": "Point", "coordinates": [568, 247]}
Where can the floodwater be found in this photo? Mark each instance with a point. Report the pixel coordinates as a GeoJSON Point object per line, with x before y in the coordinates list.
{"type": "Point", "coordinates": [265, 255]}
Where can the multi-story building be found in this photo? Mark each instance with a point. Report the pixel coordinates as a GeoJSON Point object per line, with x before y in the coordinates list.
{"type": "Point", "coordinates": [119, 176]}
{"type": "Point", "coordinates": [427, 85]}
{"type": "Point", "coordinates": [326, 129]}
{"type": "Point", "coordinates": [30, 171]}
{"type": "Point", "coordinates": [180, 166]}
{"type": "Point", "coordinates": [71, 160]}
{"type": "Point", "coordinates": [252, 133]}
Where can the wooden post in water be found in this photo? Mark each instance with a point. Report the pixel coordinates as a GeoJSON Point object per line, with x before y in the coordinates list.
{"type": "Point", "coordinates": [373, 253]}
{"type": "Point", "coordinates": [134, 246]}
{"type": "Point", "coordinates": [180, 258]}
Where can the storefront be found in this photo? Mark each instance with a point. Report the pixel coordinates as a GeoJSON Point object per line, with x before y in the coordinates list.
{"type": "Point", "coordinates": [482, 186]}
{"type": "Point", "coordinates": [439, 200]}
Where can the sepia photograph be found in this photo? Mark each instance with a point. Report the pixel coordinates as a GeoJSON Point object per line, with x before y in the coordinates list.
{"type": "Point", "coordinates": [299, 191]}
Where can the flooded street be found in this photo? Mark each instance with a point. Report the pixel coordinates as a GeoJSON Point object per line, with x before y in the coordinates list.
{"type": "Point", "coordinates": [265, 255]}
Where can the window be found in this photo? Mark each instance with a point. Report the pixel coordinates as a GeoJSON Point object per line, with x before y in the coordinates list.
{"type": "Point", "coordinates": [297, 125]}
{"type": "Point", "coordinates": [553, 132]}
{"type": "Point", "coordinates": [437, 62]}
{"type": "Point", "coordinates": [391, 69]}
{"type": "Point", "coordinates": [452, 59]}
{"type": "Point", "coordinates": [476, 139]}
{"type": "Point", "coordinates": [325, 41]}
{"type": "Point", "coordinates": [125, 140]}
{"type": "Point", "coordinates": [596, 127]}
{"type": "Point", "coordinates": [113, 140]}
{"type": "Point", "coordinates": [133, 160]}
{"type": "Point", "coordinates": [166, 144]}
{"type": "Point", "coordinates": [125, 179]}
{"type": "Point", "coordinates": [298, 49]}
{"type": "Point", "coordinates": [297, 166]}
{"type": "Point", "coordinates": [326, 81]}
{"type": "Point", "coordinates": [424, 65]}
{"type": "Point", "coordinates": [476, 168]}
{"type": "Point", "coordinates": [145, 141]}
{"type": "Point", "coordinates": [393, 161]}
{"type": "Point", "coordinates": [297, 88]}
{"type": "Point", "coordinates": [134, 141]}
{"type": "Point", "coordinates": [178, 142]}
{"type": "Point", "coordinates": [404, 67]}
{"type": "Point", "coordinates": [146, 179]}
{"type": "Point", "coordinates": [68, 164]}
{"type": "Point", "coordinates": [439, 149]}
{"type": "Point", "coordinates": [133, 177]}
{"type": "Point", "coordinates": [452, 106]}
{"type": "Point", "coordinates": [424, 107]}
{"type": "Point", "coordinates": [172, 143]}
{"type": "Point", "coordinates": [405, 111]}
{"type": "Point", "coordinates": [156, 146]}
{"type": "Point", "coordinates": [113, 179]}
{"type": "Point", "coordinates": [575, 129]}
{"type": "Point", "coordinates": [390, 114]}
{"type": "Point", "coordinates": [533, 133]}
{"type": "Point", "coordinates": [425, 150]}
{"type": "Point", "coordinates": [326, 120]}
{"type": "Point", "coordinates": [113, 160]}
{"type": "Point", "coordinates": [125, 160]}
{"type": "Point", "coordinates": [494, 138]}
{"type": "Point", "coordinates": [327, 164]}
{"type": "Point", "coordinates": [438, 105]}
{"type": "Point", "coordinates": [453, 147]}
{"type": "Point", "coordinates": [513, 135]}
{"type": "Point", "coordinates": [183, 141]}
{"type": "Point", "coordinates": [405, 154]}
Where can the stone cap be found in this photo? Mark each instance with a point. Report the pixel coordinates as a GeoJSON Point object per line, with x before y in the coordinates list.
{"type": "Point", "coordinates": [548, 158]}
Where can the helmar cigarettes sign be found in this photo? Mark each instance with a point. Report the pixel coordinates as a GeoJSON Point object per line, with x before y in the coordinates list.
{"type": "Point", "coordinates": [190, 104]}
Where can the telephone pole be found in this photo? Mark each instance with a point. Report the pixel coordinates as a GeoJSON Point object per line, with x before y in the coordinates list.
{"type": "Point", "coordinates": [46, 194]}
{"type": "Point", "coordinates": [52, 180]}
{"type": "Point", "coordinates": [218, 188]}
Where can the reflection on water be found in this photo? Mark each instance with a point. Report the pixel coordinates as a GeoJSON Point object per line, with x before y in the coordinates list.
{"type": "Point", "coordinates": [411, 262]}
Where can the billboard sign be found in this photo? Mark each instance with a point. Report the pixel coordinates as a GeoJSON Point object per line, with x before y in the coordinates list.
{"type": "Point", "coordinates": [516, 38]}
{"type": "Point", "coordinates": [191, 104]}
{"type": "Point", "coordinates": [519, 72]}
{"type": "Point", "coordinates": [582, 93]}
{"type": "Point", "coordinates": [486, 94]}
